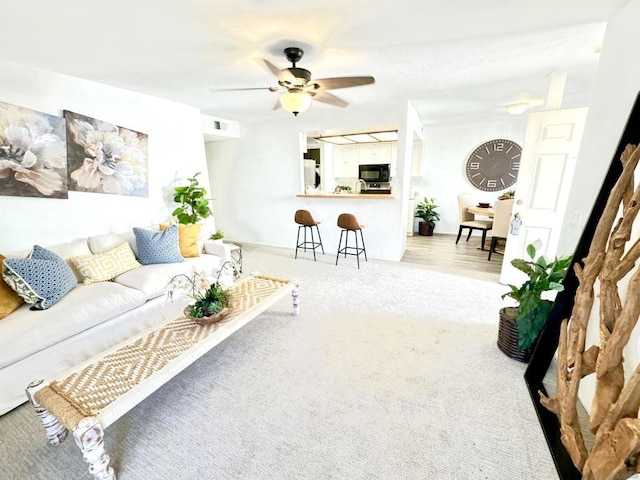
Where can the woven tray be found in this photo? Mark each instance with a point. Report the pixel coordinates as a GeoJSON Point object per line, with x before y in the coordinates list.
{"type": "Point", "coordinates": [218, 317]}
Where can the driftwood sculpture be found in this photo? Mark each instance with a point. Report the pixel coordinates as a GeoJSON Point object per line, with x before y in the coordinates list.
{"type": "Point", "coordinates": [614, 411]}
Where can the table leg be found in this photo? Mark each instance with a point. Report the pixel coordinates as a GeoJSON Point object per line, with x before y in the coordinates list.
{"type": "Point", "coordinates": [89, 436]}
{"type": "Point", "coordinates": [56, 433]}
{"type": "Point", "coordinates": [294, 296]}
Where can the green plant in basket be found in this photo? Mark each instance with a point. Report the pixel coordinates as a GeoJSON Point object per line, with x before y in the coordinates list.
{"type": "Point", "coordinates": [533, 310]}
{"type": "Point", "coordinates": [507, 195]}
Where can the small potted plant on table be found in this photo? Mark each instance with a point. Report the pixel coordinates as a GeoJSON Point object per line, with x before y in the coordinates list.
{"type": "Point", "coordinates": [217, 236]}
{"type": "Point", "coordinates": [521, 325]}
{"type": "Point", "coordinates": [212, 301]}
{"type": "Point", "coordinates": [426, 210]}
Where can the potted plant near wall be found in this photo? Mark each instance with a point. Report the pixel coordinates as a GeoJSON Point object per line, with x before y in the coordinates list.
{"type": "Point", "coordinates": [521, 325]}
{"type": "Point", "coordinates": [193, 208]}
{"type": "Point", "coordinates": [194, 204]}
{"type": "Point", "coordinates": [426, 210]}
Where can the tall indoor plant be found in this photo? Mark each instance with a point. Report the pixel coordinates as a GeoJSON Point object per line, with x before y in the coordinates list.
{"type": "Point", "coordinates": [520, 326]}
{"type": "Point", "coordinates": [426, 210]}
{"type": "Point", "coordinates": [194, 204]}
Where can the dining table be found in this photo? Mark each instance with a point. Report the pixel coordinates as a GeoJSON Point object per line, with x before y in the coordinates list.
{"type": "Point", "coordinates": [484, 211]}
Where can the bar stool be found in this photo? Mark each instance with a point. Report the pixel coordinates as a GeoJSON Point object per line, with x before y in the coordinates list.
{"type": "Point", "coordinates": [348, 223]}
{"type": "Point", "coordinates": [305, 220]}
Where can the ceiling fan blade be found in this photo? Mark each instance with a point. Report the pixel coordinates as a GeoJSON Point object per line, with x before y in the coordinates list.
{"type": "Point", "coordinates": [272, 68]}
{"type": "Point", "coordinates": [281, 74]}
{"type": "Point", "coordinates": [239, 89]}
{"type": "Point", "coordinates": [343, 82]}
{"type": "Point", "coordinates": [326, 97]}
{"type": "Point", "coordinates": [276, 105]}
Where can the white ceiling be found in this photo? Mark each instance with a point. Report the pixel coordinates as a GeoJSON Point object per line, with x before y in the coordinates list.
{"type": "Point", "coordinates": [451, 58]}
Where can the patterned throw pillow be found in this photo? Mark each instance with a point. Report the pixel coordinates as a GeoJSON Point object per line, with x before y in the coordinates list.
{"type": "Point", "coordinates": [9, 299]}
{"type": "Point", "coordinates": [187, 238]}
{"type": "Point", "coordinates": [106, 265]}
{"type": "Point", "coordinates": [158, 247]}
{"type": "Point", "coordinates": [41, 279]}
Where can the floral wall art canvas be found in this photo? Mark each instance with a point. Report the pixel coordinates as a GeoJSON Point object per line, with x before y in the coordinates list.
{"type": "Point", "coordinates": [33, 155]}
{"type": "Point", "coordinates": [105, 158]}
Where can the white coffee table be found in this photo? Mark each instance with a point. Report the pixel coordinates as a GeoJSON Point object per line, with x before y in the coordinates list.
{"type": "Point", "coordinates": [97, 393]}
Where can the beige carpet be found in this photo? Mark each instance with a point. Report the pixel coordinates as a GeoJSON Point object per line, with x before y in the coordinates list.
{"type": "Point", "coordinates": [390, 372]}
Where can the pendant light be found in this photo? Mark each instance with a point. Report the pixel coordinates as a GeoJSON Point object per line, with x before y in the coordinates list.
{"type": "Point", "coordinates": [295, 101]}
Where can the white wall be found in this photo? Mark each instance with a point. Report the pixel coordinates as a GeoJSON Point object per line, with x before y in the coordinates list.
{"type": "Point", "coordinates": [447, 148]}
{"type": "Point", "coordinates": [256, 178]}
{"type": "Point", "coordinates": [175, 151]}
{"type": "Point", "coordinates": [410, 128]}
{"type": "Point", "coordinates": [617, 85]}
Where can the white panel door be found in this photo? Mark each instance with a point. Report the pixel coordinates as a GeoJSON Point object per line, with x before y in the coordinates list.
{"type": "Point", "coordinates": [546, 171]}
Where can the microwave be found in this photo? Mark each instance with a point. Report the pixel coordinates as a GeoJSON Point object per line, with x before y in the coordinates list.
{"type": "Point", "coordinates": [374, 173]}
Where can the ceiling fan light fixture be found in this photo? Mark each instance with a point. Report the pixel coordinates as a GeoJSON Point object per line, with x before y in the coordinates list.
{"type": "Point", "coordinates": [295, 102]}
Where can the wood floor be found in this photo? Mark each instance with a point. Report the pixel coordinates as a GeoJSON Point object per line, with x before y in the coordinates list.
{"type": "Point", "coordinates": [440, 252]}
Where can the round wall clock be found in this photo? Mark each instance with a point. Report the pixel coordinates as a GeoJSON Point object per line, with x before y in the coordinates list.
{"type": "Point", "coordinates": [494, 165]}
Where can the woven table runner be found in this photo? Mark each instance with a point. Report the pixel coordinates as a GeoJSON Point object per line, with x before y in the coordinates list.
{"type": "Point", "coordinates": [87, 392]}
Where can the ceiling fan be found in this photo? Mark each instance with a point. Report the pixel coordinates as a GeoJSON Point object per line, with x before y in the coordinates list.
{"type": "Point", "coordinates": [299, 89]}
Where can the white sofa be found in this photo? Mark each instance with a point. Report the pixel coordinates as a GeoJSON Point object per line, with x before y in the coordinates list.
{"type": "Point", "coordinates": [89, 319]}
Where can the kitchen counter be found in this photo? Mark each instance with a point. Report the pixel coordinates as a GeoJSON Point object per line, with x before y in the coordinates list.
{"type": "Point", "coordinates": [375, 210]}
{"type": "Point", "coordinates": [355, 196]}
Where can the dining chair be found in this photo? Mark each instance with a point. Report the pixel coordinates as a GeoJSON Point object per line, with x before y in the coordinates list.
{"type": "Point", "coordinates": [501, 220]}
{"type": "Point", "coordinates": [468, 220]}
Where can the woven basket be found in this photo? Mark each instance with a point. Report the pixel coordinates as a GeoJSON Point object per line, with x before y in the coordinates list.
{"type": "Point", "coordinates": [508, 336]}
{"type": "Point", "coordinates": [221, 315]}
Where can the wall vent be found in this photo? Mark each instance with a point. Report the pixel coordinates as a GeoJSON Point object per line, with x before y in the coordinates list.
{"type": "Point", "coordinates": [216, 128]}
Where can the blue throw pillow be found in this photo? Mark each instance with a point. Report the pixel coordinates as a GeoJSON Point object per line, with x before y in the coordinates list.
{"type": "Point", "coordinates": [41, 279]}
{"type": "Point", "coordinates": [158, 247]}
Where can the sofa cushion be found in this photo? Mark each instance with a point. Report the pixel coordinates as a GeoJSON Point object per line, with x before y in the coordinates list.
{"type": "Point", "coordinates": [63, 250]}
{"type": "Point", "coordinates": [41, 279]}
{"type": "Point", "coordinates": [153, 280]}
{"type": "Point", "coordinates": [188, 236]}
{"type": "Point", "coordinates": [158, 247]}
{"type": "Point", "coordinates": [102, 243]}
{"type": "Point", "coordinates": [26, 332]}
{"type": "Point", "coordinates": [9, 299]}
{"type": "Point", "coordinates": [70, 249]}
{"type": "Point", "coordinates": [106, 265]}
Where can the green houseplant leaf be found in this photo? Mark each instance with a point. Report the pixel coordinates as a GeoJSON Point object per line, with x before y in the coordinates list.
{"type": "Point", "coordinates": [194, 204]}
{"type": "Point", "coordinates": [426, 210]}
{"type": "Point", "coordinates": [533, 310]}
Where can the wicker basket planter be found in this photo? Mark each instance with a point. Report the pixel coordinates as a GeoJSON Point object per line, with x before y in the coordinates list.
{"type": "Point", "coordinates": [508, 336]}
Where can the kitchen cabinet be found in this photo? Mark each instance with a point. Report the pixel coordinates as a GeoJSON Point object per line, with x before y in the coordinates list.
{"type": "Point", "coordinates": [346, 158]}
{"type": "Point", "coordinates": [345, 161]}
{"type": "Point", "coordinates": [371, 153]}
{"type": "Point", "coordinates": [394, 158]}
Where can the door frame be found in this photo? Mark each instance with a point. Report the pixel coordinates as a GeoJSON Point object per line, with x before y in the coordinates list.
{"type": "Point", "coordinates": [563, 305]}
